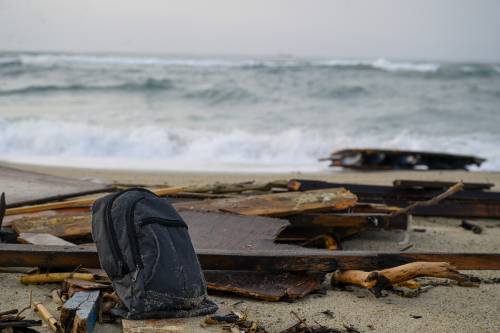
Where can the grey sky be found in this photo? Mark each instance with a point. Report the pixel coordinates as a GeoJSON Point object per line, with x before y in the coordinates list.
{"type": "Point", "coordinates": [396, 29]}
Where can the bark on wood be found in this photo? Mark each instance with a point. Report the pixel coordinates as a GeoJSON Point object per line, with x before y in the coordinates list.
{"type": "Point", "coordinates": [80, 312]}
{"type": "Point", "coordinates": [55, 277]}
{"type": "Point", "coordinates": [278, 204]}
{"type": "Point", "coordinates": [376, 281]}
{"type": "Point", "coordinates": [42, 311]}
{"type": "Point", "coordinates": [25, 255]}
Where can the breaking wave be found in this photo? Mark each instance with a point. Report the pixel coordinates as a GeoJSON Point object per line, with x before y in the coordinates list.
{"type": "Point", "coordinates": [160, 147]}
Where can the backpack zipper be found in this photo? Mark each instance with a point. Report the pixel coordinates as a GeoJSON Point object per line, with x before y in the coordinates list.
{"type": "Point", "coordinates": [115, 250]}
{"type": "Point", "coordinates": [159, 220]}
{"type": "Point", "coordinates": [132, 236]}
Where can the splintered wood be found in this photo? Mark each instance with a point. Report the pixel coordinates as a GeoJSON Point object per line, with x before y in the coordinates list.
{"type": "Point", "coordinates": [278, 204]}
{"type": "Point", "coordinates": [79, 313]}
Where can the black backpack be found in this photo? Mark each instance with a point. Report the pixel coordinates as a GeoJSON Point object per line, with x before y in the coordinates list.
{"type": "Point", "coordinates": [144, 247]}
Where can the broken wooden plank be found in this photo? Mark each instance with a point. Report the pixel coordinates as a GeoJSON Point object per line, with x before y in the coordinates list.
{"type": "Point", "coordinates": [41, 239]}
{"type": "Point", "coordinates": [27, 188]}
{"type": "Point", "coordinates": [64, 226]}
{"type": "Point", "coordinates": [278, 204]}
{"type": "Point", "coordinates": [301, 259]}
{"type": "Point", "coordinates": [350, 220]}
{"type": "Point", "coordinates": [262, 285]}
{"type": "Point", "coordinates": [80, 312]}
{"type": "Point", "coordinates": [437, 185]}
{"type": "Point", "coordinates": [82, 202]}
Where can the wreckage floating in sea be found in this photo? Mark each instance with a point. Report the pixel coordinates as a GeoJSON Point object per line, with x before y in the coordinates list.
{"type": "Point", "coordinates": [381, 159]}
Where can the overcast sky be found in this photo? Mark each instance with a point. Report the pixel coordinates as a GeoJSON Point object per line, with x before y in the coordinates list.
{"type": "Point", "coordinates": [395, 29]}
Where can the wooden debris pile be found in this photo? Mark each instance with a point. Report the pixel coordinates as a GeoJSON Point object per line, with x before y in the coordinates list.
{"type": "Point", "coordinates": [269, 241]}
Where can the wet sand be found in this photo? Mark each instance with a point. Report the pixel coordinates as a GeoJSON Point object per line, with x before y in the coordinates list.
{"type": "Point", "coordinates": [443, 309]}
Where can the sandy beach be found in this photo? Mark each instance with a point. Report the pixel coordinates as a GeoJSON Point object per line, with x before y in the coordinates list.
{"type": "Point", "coordinates": [442, 309]}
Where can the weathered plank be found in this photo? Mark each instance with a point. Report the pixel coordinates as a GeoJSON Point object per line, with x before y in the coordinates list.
{"type": "Point", "coordinates": [26, 255]}
{"type": "Point", "coordinates": [80, 312]}
{"type": "Point", "coordinates": [262, 285]}
{"type": "Point", "coordinates": [27, 188]}
{"type": "Point", "coordinates": [63, 226]}
{"type": "Point", "coordinates": [42, 239]}
{"type": "Point", "coordinates": [472, 203]}
{"type": "Point", "coordinates": [278, 204]}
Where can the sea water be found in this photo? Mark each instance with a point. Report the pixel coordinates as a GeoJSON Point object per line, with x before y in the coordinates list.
{"type": "Point", "coordinates": [242, 114]}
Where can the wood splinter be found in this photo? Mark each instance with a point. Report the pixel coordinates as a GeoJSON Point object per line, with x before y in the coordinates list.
{"type": "Point", "coordinates": [376, 281]}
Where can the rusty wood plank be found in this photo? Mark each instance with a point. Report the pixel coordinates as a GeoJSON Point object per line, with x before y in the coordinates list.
{"type": "Point", "coordinates": [438, 185]}
{"type": "Point", "coordinates": [278, 204]}
{"type": "Point", "coordinates": [26, 255]}
{"type": "Point", "coordinates": [42, 239]}
{"type": "Point", "coordinates": [262, 285]}
{"type": "Point", "coordinates": [350, 220]}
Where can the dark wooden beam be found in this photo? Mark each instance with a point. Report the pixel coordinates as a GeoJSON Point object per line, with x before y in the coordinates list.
{"type": "Point", "coordinates": [438, 185]}
{"type": "Point", "coordinates": [65, 257]}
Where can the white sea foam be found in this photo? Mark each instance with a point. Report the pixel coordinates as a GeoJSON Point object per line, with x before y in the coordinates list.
{"type": "Point", "coordinates": [156, 147]}
{"type": "Point", "coordinates": [383, 64]}
{"type": "Point", "coordinates": [49, 60]}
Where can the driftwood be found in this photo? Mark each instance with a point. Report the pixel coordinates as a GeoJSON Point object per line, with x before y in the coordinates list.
{"type": "Point", "coordinates": [452, 190]}
{"type": "Point", "coordinates": [55, 277]}
{"type": "Point", "coordinates": [85, 202]}
{"type": "Point", "coordinates": [47, 316]}
{"type": "Point", "coordinates": [376, 281]}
